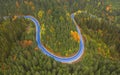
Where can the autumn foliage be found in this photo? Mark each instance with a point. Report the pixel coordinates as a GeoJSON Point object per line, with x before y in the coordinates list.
{"type": "Point", "coordinates": [26, 43]}
{"type": "Point", "coordinates": [75, 36]}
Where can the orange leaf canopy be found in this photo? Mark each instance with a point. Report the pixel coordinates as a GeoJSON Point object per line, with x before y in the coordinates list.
{"type": "Point", "coordinates": [75, 36]}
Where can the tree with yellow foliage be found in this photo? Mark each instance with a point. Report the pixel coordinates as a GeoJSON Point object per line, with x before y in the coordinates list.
{"type": "Point", "coordinates": [75, 35]}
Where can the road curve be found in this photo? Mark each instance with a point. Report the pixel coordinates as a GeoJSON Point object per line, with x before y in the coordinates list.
{"type": "Point", "coordinates": [57, 58]}
{"type": "Point", "coordinates": [45, 51]}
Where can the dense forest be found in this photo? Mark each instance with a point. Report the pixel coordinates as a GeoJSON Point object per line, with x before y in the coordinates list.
{"type": "Point", "coordinates": [101, 33]}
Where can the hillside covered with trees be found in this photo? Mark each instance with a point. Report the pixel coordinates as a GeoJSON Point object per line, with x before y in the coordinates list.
{"type": "Point", "coordinates": [101, 33]}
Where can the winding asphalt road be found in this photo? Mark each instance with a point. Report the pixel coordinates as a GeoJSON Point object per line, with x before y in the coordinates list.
{"type": "Point", "coordinates": [45, 51]}
{"type": "Point", "coordinates": [57, 58]}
